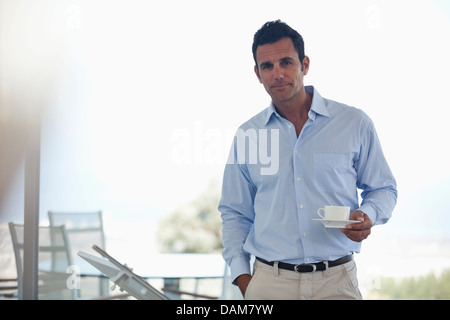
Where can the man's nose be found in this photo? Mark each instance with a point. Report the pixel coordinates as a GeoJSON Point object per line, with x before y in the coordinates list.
{"type": "Point", "coordinates": [278, 72]}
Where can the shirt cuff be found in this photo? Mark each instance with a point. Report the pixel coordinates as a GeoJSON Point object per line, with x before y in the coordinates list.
{"type": "Point", "coordinates": [367, 209]}
{"type": "Point", "coordinates": [239, 265]}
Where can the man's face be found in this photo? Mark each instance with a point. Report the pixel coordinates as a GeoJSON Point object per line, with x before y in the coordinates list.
{"type": "Point", "coordinates": [280, 71]}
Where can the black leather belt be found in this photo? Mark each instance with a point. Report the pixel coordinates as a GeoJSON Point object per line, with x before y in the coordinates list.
{"type": "Point", "coordinates": [309, 267]}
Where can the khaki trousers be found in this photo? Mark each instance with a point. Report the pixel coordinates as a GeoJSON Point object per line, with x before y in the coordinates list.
{"type": "Point", "coordinates": [273, 283]}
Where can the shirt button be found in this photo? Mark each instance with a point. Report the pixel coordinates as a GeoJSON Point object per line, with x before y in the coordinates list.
{"type": "Point", "coordinates": [304, 234]}
{"type": "Point", "coordinates": [298, 179]}
{"type": "Point", "coordinates": [307, 259]}
{"type": "Point", "coordinates": [289, 126]}
{"type": "Point", "coordinates": [301, 206]}
{"type": "Point", "coordinates": [296, 151]}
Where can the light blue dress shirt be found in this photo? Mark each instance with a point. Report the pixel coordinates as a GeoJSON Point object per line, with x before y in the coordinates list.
{"type": "Point", "coordinates": [274, 183]}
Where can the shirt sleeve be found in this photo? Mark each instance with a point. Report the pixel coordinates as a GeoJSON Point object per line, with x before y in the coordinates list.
{"type": "Point", "coordinates": [375, 179]}
{"type": "Point", "coordinates": [237, 213]}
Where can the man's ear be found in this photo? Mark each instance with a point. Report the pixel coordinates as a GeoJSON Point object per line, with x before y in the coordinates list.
{"type": "Point", "coordinates": [257, 73]}
{"type": "Point", "coordinates": [305, 65]}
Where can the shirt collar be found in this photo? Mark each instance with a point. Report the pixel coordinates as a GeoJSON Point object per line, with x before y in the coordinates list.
{"type": "Point", "coordinates": [318, 103]}
{"type": "Point", "coordinates": [317, 106]}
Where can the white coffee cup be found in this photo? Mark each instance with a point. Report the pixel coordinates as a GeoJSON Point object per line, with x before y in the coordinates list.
{"type": "Point", "coordinates": [334, 213]}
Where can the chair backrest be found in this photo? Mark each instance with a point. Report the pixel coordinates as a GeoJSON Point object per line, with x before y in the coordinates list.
{"type": "Point", "coordinates": [84, 229]}
{"type": "Point", "coordinates": [8, 271]}
{"type": "Point", "coordinates": [54, 261]}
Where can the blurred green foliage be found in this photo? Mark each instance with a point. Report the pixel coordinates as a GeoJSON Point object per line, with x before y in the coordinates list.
{"type": "Point", "coordinates": [195, 227]}
{"type": "Point", "coordinates": [428, 287]}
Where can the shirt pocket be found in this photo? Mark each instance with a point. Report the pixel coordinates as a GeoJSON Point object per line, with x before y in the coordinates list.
{"type": "Point", "coordinates": [333, 171]}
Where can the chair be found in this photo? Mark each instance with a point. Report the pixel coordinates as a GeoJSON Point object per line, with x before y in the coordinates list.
{"type": "Point", "coordinates": [84, 229]}
{"type": "Point", "coordinates": [8, 276]}
{"type": "Point", "coordinates": [54, 261]}
{"type": "Point", "coordinates": [8, 288]}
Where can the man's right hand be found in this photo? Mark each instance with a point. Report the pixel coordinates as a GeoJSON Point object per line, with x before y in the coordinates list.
{"type": "Point", "coordinates": [242, 281]}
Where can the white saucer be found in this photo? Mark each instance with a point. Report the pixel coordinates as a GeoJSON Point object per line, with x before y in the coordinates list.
{"type": "Point", "coordinates": [336, 223]}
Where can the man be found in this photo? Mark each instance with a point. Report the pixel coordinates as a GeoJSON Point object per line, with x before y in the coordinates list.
{"type": "Point", "coordinates": [294, 157]}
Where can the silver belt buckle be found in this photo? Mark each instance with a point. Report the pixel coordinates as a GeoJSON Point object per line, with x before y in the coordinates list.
{"type": "Point", "coordinates": [314, 267]}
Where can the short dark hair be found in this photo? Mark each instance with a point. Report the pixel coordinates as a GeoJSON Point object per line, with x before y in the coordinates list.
{"type": "Point", "coordinates": [272, 31]}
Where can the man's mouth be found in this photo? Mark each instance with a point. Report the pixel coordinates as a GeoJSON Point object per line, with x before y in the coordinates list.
{"type": "Point", "coordinates": [280, 85]}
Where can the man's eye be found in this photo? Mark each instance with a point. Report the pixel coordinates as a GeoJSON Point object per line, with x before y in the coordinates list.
{"type": "Point", "coordinates": [286, 63]}
{"type": "Point", "coordinates": [266, 66]}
